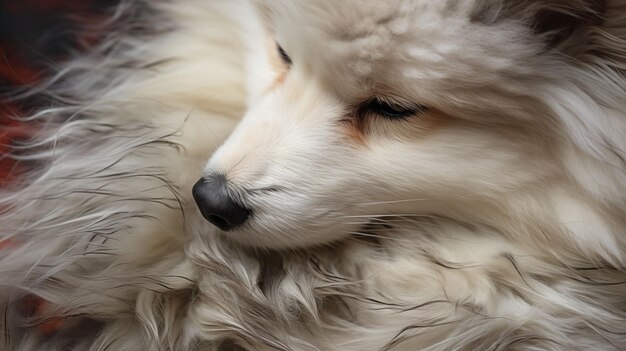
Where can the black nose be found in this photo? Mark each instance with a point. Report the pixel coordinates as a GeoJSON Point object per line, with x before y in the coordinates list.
{"type": "Point", "coordinates": [217, 205]}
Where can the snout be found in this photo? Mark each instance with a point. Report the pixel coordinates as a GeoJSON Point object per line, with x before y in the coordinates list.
{"type": "Point", "coordinates": [218, 204]}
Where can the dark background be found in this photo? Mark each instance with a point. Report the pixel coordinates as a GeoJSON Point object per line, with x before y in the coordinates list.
{"type": "Point", "coordinates": [36, 36]}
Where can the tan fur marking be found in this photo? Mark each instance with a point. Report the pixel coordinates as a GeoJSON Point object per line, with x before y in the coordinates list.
{"type": "Point", "coordinates": [433, 119]}
{"type": "Point", "coordinates": [355, 129]}
{"type": "Point", "coordinates": [278, 81]}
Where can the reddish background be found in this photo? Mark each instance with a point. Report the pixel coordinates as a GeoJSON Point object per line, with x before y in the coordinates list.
{"type": "Point", "coordinates": [36, 36]}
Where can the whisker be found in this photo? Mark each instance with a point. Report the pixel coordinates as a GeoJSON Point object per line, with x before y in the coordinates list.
{"type": "Point", "coordinates": [396, 215]}
{"type": "Point", "coordinates": [390, 202]}
{"type": "Point", "coordinates": [369, 235]}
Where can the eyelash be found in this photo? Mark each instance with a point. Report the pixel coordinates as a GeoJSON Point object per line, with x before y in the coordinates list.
{"type": "Point", "coordinates": [392, 111]}
{"type": "Point", "coordinates": [283, 55]}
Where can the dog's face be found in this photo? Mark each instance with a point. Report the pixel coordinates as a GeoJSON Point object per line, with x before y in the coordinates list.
{"type": "Point", "coordinates": [384, 108]}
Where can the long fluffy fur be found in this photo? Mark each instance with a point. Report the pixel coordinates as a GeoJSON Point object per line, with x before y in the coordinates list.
{"type": "Point", "coordinates": [104, 227]}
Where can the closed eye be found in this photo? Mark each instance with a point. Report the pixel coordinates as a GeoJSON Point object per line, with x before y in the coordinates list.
{"type": "Point", "coordinates": [391, 110]}
{"type": "Point", "coordinates": [283, 55]}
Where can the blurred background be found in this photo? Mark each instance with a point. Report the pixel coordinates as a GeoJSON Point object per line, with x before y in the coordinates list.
{"type": "Point", "coordinates": [35, 37]}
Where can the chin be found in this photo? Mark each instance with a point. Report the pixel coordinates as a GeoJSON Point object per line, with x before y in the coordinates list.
{"type": "Point", "coordinates": [354, 175]}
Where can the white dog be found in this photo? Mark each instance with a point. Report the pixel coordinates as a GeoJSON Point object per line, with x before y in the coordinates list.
{"type": "Point", "coordinates": [409, 175]}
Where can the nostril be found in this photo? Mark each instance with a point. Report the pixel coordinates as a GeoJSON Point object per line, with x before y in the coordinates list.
{"type": "Point", "coordinates": [217, 204]}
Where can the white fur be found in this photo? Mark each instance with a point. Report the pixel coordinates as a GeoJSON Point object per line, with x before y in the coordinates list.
{"type": "Point", "coordinates": [494, 221]}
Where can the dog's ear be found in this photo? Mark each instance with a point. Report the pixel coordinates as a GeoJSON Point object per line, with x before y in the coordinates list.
{"type": "Point", "coordinates": [563, 20]}
{"type": "Point", "coordinates": [559, 22]}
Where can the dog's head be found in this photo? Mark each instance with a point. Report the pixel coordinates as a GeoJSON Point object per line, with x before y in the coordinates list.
{"type": "Point", "coordinates": [392, 108]}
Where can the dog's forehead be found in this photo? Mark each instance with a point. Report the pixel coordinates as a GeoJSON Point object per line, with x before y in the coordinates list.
{"type": "Point", "coordinates": [362, 45]}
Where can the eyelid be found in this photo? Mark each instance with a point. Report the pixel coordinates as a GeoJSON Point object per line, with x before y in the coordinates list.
{"type": "Point", "coordinates": [391, 102]}
{"type": "Point", "coordinates": [416, 108]}
{"type": "Point", "coordinates": [386, 107]}
{"type": "Point", "coordinates": [283, 54]}
{"type": "Point", "coordinates": [384, 99]}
